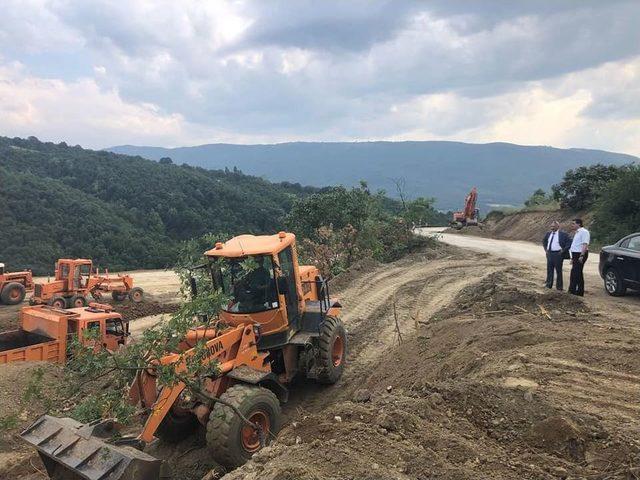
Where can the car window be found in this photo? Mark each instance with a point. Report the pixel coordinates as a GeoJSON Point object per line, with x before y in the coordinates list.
{"type": "Point", "coordinates": [625, 244]}
{"type": "Point", "coordinates": [634, 243]}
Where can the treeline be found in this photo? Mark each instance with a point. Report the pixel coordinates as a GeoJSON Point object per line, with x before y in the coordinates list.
{"type": "Point", "coordinates": [610, 192]}
{"type": "Point", "coordinates": [124, 212]}
{"type": "Point", "coordinates": [128, 212]}
{"type": "Point", "coordinates": [340, 226]}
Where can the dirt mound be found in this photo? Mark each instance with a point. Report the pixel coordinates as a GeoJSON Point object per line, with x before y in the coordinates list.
{"type": "Point", "coordinates": [488, 385]}
{"type": "Point", "coordinates": [502, 293]}
{"type": "Point", "coordinates": [527, 225]}
{"type": "Point", "coordinates": [131, 311]}
{"type": "Point", "coordinates": [557, 434]}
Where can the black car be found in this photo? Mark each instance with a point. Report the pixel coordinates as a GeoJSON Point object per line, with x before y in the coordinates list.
{"type": "Point", "coordinates": [620, 265]}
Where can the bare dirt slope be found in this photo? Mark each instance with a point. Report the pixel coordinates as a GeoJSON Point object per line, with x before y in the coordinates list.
{"type": "Point", "coordinates": [498, 379]}
{"type": "Point", "coordinates": [526, 225]}
{"type": "Point", "coordinates": [479, 374]}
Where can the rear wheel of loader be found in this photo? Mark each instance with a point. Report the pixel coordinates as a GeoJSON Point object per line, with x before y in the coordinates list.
{"type": "Point", "coordinates": [13, 293]}
{"type": "Point", "coordinates": [78, 301]}
{"type": "Point", "coordinates": [118, 296]}
{"type": "Point", "coordinates": [136, 294]}
{"type": "Point", "coordinates": [177, 425]}
{"type": "Point", "coordinates": [231, 440]}
{"type": "Point", "coordinates": [332, 351]}
{"type": "Point", "coordinates": [58, 302]}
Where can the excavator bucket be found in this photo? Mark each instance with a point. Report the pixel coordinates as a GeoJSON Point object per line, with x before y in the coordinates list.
{"type": "Point", "coordinates": [71, 450]}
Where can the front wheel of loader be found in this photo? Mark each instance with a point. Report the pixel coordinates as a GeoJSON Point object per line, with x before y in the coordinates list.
{"type": "Point", "coordinates": [231, 440]}
{"type": "Point", "coordinates": [78, 301]}
{"type": "Point", "coordinates": [58, 302]}
{"type": "Point", "coordinates": [13, 293]}
{"type": "Point", "coordinates": [332, 351]}
{"type": "Point", "coordinates": [136, 294]}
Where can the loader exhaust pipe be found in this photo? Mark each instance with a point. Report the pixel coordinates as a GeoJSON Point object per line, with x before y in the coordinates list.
{"type": "Point", "coordinates": [71, 450]}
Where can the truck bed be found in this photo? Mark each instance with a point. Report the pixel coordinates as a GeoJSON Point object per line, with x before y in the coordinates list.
{"type": "Point", "coordinates": [20, 345]}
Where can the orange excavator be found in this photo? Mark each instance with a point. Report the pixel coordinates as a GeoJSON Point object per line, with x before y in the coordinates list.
{"type": "Point", "coordinates": [280, 323]}
{"type": "Point", "coordinates": [470, 215]}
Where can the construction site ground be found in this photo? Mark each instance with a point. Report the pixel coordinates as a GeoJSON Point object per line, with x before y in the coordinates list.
{"type": "Point", "coordinates": [461, 366]}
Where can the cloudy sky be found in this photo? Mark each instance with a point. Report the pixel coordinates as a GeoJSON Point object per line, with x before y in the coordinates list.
{"type": "Point", "coordinates": [169, 73]}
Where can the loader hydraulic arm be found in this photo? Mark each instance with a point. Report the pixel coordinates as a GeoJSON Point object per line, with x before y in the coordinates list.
{"type": "Point", "coordinates": [232, 348]}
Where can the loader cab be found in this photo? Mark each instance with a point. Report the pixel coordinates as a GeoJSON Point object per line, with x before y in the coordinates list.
{"type": "Point", "coordinates": [260, 276]}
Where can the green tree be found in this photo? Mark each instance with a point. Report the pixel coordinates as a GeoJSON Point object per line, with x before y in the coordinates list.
{"type": "Point", "coordinates": [617, 212]}
{"type": "Point", "coordinates": [539, 197]}
{"type": "Point", "coordinates": [580, 188]}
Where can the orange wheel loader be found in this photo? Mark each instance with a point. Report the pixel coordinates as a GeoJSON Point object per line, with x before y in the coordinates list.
{"type": "Point", "coordinates": [76, 279]}
{"type": "Point", "coordinates": [14, 285]}
{"type": "Point", "coordinates": [279, 324]}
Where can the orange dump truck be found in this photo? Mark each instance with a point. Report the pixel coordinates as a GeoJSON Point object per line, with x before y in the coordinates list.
{"type": "Point", "coordinates": [45, 332]}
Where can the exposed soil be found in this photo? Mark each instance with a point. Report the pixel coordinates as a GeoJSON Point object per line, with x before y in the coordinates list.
{"type": "Point", "coordinates": [133, 311]}
{"type": "Point", "coordinates": [460, 367]}
{"type": "Point", "coordinates": [527, 225]}
{"type": "Point", "coordinates": [486, 385]}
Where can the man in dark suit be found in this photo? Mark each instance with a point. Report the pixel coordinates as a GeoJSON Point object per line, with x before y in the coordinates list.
{"type": "Point", "coordinates": [556, 244]}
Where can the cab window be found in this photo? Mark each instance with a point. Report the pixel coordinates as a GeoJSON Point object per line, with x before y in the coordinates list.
{"type": "Point", "coordinates": [249, 281]}
{"type": "Point", "coordinates": [114, 327]}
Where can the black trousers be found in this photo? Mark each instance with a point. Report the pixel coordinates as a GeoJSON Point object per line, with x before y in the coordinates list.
{"type": "Point", "coordinates": [554, 264]}
{"type": "Point", "coordinates": [576, 282]}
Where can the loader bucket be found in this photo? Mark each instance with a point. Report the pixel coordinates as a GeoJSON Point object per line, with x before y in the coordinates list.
{"type": "Point", "coordinates": [71, 450]}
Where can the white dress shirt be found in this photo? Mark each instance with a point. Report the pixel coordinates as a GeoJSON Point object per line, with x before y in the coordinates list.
{"type": "Point", "coordinates": [552, 243]}
{"type": "Point", "coordinates": [582, 236]}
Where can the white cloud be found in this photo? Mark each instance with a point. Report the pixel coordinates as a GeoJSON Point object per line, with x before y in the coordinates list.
{"type": "Point", "coordinates": [168, 73]}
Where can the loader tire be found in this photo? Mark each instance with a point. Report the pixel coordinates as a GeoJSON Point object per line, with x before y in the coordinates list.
{"type": "Point", "coordinates": [118, 296]}
{"type": "Point", "coordinates": [136, 294]}
{"type": "Point", "coordinates": [13, 293]}
{"type": "Point", "coordinates": [332, 351]}
{"type": "Point", "coordinates": [77, 301]}
{"type": "Point", "coordinates": [176, 426]}
{"type": "Point", "coordinates": [58, 302]}
{"type": "Point", "coordinates": [232, 442]}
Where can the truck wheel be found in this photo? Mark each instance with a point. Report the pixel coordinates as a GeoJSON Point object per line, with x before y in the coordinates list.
{"type": "Point", "coordinates": [232, 442]}
{"type": "Point", "coordinates": [118, 296]}
{"type": "Point", "coordinates": [58, 302]}
{"type": "Point", "coordinates": [13, 293]}
{"type": "Point", "coordinates": [176, 426]}
{"type": "Point", "coordinates": [332, 351]}
{"type": "Point", "coordinates": [136, 294]}
{"type": "Point", "coordinates": [78, 301]}
{"type": "Point", "coordinates": [613, 283]}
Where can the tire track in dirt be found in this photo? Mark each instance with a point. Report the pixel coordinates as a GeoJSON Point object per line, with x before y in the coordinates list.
{"type": "Point", "coordinates": [419, 288]}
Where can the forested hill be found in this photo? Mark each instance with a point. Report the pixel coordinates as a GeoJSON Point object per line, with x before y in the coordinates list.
{"type": "Point", "coordinates": [503, 172]}
{"type": "Point", "coordinates": [122, 211]}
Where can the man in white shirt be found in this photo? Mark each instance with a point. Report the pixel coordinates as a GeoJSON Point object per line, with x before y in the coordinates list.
{"type": "Point", "coordinates": [579, 254]}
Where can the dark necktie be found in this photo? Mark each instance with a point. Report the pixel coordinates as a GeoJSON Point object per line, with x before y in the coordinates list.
{"type": "Point", "coordinates": [551, 240]}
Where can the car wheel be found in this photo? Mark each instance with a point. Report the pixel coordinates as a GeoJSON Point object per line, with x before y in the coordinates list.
{"type": "Point", "coordinates": [613, 283]}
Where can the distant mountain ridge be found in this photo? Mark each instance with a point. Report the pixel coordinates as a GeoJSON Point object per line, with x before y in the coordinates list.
{"type": "Point", "coordinates": [505, 174]}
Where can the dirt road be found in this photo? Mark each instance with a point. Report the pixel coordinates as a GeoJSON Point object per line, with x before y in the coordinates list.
{"type": "Point", "coordinates": [494, 377]}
